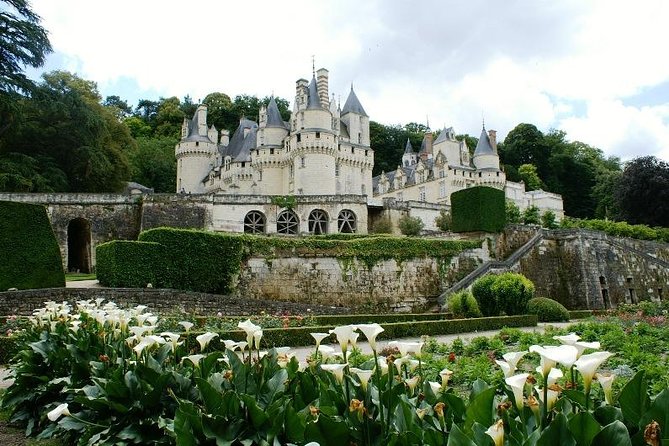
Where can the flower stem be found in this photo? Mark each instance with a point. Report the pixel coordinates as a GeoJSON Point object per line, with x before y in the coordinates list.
{"type": "Point", "coordinates": [378, 386]}
{"type": "Point", "coordinates": [544, 409]}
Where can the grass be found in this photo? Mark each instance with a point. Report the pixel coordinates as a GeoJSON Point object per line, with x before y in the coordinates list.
{"type": "Point", "coordinates": [75, 277]}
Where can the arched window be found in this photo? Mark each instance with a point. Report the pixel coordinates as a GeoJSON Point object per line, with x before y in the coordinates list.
{"type": "Point", "coordinates": [346, 221]}
{"type": "Point", "coordinates": [318, 222]}
{"type": "Point", "coordinates": [287, 223]}
{"type": "Point", "coordinates": [254, 223]}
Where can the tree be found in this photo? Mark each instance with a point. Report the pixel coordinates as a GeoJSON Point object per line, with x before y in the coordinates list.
{"type": "Point", "coordinates": [548, 220]}
{"type": "Point", "coordinates": [528, 174]}
{"type": "Point", "coordinates": [525, 144]}
{"type": "Point", "coordinates": [643, 192]}
{"type": "Point", "coordinates": [513, 214]}
{"type": "Point", "coordinates": [169, 118]}
{"type": "Point", "coordinates": [23, 42]}
{"type": "Point", "coordinates": [153, 163]}
{"type": "Point", "coordinates": [410, 226]}
{"type": "Point", "coordinates": [443, 221]}
{"type": "Point", "coordinates": [118, 107]}
{"type": "Point", "coordinates": [531, 216]}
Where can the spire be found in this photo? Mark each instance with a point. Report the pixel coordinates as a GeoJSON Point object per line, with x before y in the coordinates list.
{"type": "Point", "coordinates": [484, 147]}
{"type": "Point", "coordinates": [313, 101]}
{"type": "Point", "coordinates": [353, 105]}
{"type": "Point", "coordinates": [273, 115]}
{"type": "Point", "coordinates": [408, 149]}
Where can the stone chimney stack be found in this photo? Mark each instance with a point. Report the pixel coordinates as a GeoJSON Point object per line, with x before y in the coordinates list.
{"type": "Point", "coordinates": [492, 136]}
{"type": "Point", "coordinates": [429, 139]}
{"type": "Point", "coordinates": [202, 120]}
{"type": "Point", "coordinates": [301, 93]}
{"type": "Point", "coordinates": [225, 137]}
{"type": "Point", "coordinates": [322, 85]}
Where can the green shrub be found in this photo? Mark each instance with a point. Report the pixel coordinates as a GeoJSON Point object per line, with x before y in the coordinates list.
{"type": "Point", "coordinates": [30, 253]}
{"type": "Point", "coordinates": [549, 220]}
{"type": "Point", "coordinates": [513, 214]}
{"type": "Point", "coordinates": [513, 292]}
{"type": "Point", "coordinates": [410, 226]}
{"type": "Point", "coordinates": [443, 221]}
{"type": "Point", "coordinates": [531, 216]}
{"type": "Point", "coordinates": [618, 228]}
{"type": "Point", "coordinates": [478, 209]}
{"type": "Point", "coordinates": [382, 226]}
{"type": "Point", "coordinates": [197, 260]}
{"type": "Point", "coordinates": [579, 314]}
{"type": "Point", "coordinates": [486, 299]}
{"type": "Point", "coordinates": [463, 305]}
{"type": "Point", "coordinates": [123, 263]}
{"type": "Point", "coordinates": [547, 310]}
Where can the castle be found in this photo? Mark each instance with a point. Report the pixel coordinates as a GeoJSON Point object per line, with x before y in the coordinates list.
{"type": "Point", "coordinates": [322, 156]}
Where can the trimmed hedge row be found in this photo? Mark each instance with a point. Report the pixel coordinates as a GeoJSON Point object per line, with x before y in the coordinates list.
{"type": "Point", "coordinates": [618, 228]}
{"type": "Point", "coordinates": [301, 336]}
{"type": "Point", "coordinates": [30, 252]}
{"type": "Point", "coordinates": [203, 261]}
{"type": "Point", "coordinates": [479, 208]}
{"type": "Point", "coordinates": [123, 263]}
{"type": "Point", "coordinates": [580, 314]}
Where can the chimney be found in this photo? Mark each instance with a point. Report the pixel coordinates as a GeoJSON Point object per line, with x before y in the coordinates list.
{"type": "Point", "coordinates": [225, 137]}
{"type": "Point", "coordinates": [202, 120]}
{"type": "Point", "coordinates": [301, 87]}
{"type": "Point", "coordinates": [429, 137]}
{"type": "Point", "coordinates": [492, 136]}
{"type": "Point", "coordinates": [322, 85]}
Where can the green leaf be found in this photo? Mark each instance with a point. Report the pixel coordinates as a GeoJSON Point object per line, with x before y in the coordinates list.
{"type": "Point", "coordinates": [458, 438]}
{"type": "Point", "coordinates": [478, 387]}
{"type": "Point", "coordinates": [295, 425]}
{"type": "Point", "coordinates": [584, 427]}
{"type": "Point", "coordinates": [658, 411]}
{"type": "Point", "coordinates": [213, 400]}
{"type": "Point", "coordinates": [613, 434]}
{"type": "Point", "coordinates": [557, 433]}
{"type": "Point", "coordinates": [532, 439]}
{"type": "Point", "coordinates": [327, 431]}
{"type": "Point", "coordinates": [274, 387]}
{"type": "Point", "coordinates": [634, 399]}
{"type": "Point", "coordinates": [607, 414]}
{"type": "Point", "coordinates": [456, 405]}
{"type": "Point", "coordinates": [480, 410]}
{"type": "Point", "coordinates": [258, 416]}
{"type": "Point", "coordinates": [182, 426]}
{"type": "Point", "coordinates": [576, 396]}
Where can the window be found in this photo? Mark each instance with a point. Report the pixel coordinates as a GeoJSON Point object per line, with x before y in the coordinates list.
{"type": "Point", "coordinates": [366, 152]}
{"type": "Point", "coordinates": [359, 138]}
{"type": "Point", "coordinates": [271, 151]}
{"type": "Point", "coordinates": [260, 175]}
{"type": "Point", "coordinates": [299, 137]}
{"type": "Point", "coordinates": [352, 149]}
{"type": "Point", "coordinates": [243, 164]}
{"type": "Point", "coordinates": [254, 223]}
{"type": "Point", "coordinates": [421, 193]}
{"type": "Point", "coordinates": [336, 170]}
{"type": "Point", "coordinates": [442, 189]}
{"type": "Point", "coordinates": [442, 174]}
{"type": "Point", "coordinates": [364, 190]}
{"type": "Point", "coordinates": [291, 172]}
{"type": "Point", "coordinates": [346, 221]}
{"type": "Point", "coordinates": [318, 222]}
{"type": "Point", "coordinates": [197, 143]}
{"type": "Point", "coordinates": [318, 135]}
{"type": "Point", "coordinates": [302, 161]}
{"type": "Point", "coordinates": [287, 223]}
{"type": "Point", "coordinates": [400, 196]}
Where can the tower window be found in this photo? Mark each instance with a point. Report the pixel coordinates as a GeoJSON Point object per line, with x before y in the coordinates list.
{"type": "Point", "coordinates": [352, 149]}
{"type": "Point", "coordinates": [271, 151]}
{"type": "Point", "coordinates": [336, 170]}
{"type": "Point", "coordinates": [318, 134]}
{"type": "Point", "coordinates": [366, 152]}
{"type": "Point", "coordinates": [197, 143]}
{"type": "Point", "coordinates": [299, 137]}
{"type": "Point", "coordinates": [302, 161]}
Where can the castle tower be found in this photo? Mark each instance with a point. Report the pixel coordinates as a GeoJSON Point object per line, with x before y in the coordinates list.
{"type": "Point", "coordinates": [356, 119]}
{"type": "Point", "coordinates": [195, 153]}
{"type": "Point", "coordinates": [485, 156]}
{"type": "Point", "coordinates": [409, 158]}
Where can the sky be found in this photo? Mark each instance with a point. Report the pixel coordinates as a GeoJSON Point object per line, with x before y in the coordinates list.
{"type": "Point", "coordinates": [595, 69]}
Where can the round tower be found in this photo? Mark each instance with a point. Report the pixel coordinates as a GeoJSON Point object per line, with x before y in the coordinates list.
{"type": "Point", "coordinates": [195, 153]}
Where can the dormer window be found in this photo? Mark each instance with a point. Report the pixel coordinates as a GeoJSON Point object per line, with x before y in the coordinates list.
{"type": "Point", "coordinates": [318, 135]}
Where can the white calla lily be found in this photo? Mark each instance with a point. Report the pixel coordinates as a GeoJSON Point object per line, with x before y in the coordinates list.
{"type": "Point", "coordinates": [195, 359]}
{"type": "Point", "coordinates": [445, 375]}
{"type": "Point", "coordinates": [435, 386]}
{"type": "Point", "coordinates": [363, 376]}
{"type": "Point", "coordinates": [319, 337]}
{"type": "Point", "coordinates": [513, 358]}
{"type": "Point", "coordinates": [496, 432]}
{"type": "Point", "coordinates": [205, 338]}
{"type": "Point", "coordinates": [230, 344]}
{"type": "Point", "coordinates": [186, 325]}
{"type": "Point", "coordinates": [569, 339]}
{"type": "Point", "coordinates": [249, 328]}
{"type": "Point", "coordinates": [517, 385]}
{"type": "Point", "coordinates": [553, 375]}
{"type": "Point", "coordinates": [382, 364]}
{"type": "Point", "coordinates": [506, 368]}
{"type": "Point", "coordinates": [412, 382]}
{"type": "Point", "coordinates": [606, 381]}
{"type": "Point", "coordinates": [344, 334]}
{"type": "Point", "coordinates": [587, 365]}
{"type": "Point", "coordinates": [336, 369]}
{"type": "Point", "coordinates": [581, 346]}
{"type": "Point", "coordinates": [371, 331]}
{"type": "Point", "coordinates": [257, 335]}
{"type": "Point", "coordinates": [551, 397]}
{"type": "Point", "coordinates": [58, 412]}
{"type": "Point", "coordinates": [551, 355]}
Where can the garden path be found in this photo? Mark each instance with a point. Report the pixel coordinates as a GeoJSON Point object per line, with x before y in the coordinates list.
{"type": "Point", "coordinates": [303, 352]}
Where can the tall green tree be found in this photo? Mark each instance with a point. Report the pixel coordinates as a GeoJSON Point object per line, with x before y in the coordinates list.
{"type": "Point", "coordinates": [643, 192]}
{"type": "Point", "coordinates": [153, 163]}
{"type": "Point", "coordinates": [528, 174]}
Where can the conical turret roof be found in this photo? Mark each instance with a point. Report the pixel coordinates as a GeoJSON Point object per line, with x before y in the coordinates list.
{"type": "Point", "coordinates": [353, 105]}
{"type": "Point", "coordinates": [273, 115]}
{"type": "Point", "coordinates": [408, 149]}
{"type": "Point", "coordinates": [484, 147]}
{"type": "Point", "coordinates": [314, 101]}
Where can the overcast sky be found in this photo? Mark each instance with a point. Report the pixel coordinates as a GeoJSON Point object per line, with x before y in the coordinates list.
{"type": "Point", "coordinates": [596, 69]}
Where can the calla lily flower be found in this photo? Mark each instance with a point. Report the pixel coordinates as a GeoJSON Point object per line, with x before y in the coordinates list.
{"type": "Point", "coordinates": [58, 412]}
{"type": "Point", "coordinates": [581, 346]}
{"type": "Point", "coordinates": [319, 337]}
{"type": "Point", "coordinates": [249, 328]}
{"type": "Point", "coordinates": [517, 385]}
{"type": "Point", "coordinates": [382, 364]}
{"type": "Point", "coordinates": [195, 359]}
{"type": "Point", "coordinates": [496, 432]}
{"type": "Point", "coordinates": [553, 375]}
{"type": "Point", "coordinates": [513, 358]}
{"type": "Point", "coordinates": [435, 386]}
{"type": "Point", "coordinates": [587, 365]}
{"type": "Point", "coordinates": [363, 376]}
{"type": "Point", "coordinates": [230, 344]}
{"type": "Point", "coordinates": [569, 339]}
{"type": "Point", "coordinates": [186, 325]}
{"type": "Point", "coordinates": [205, 339]}
{"type": "Point", "coordinates": [257, 335]}
{"type": "Point", "coordinates": [326, 351]}
{"type": "Point", "coordinates": [551, 355]}
{"type": "Point", "coordinates": [445, 375]}
{"type": "Point", "coordinates": [336, 369]}
{"type": "Point", "coordinates": [371, 331]}
{"type": "Point", "coordinates": [606, 381]}
{"type": "Point", "coordinates": [344, 333]}
{"type": "Point", "coordinates": [552, 396]}
{"type": "Point", "coordinates": [412, 382]}
{"type": "Point", "coordinates": [506, 368]}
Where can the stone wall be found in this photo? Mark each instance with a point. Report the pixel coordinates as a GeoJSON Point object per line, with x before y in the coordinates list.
{"type": "Point", "coordinates": [24, 302]}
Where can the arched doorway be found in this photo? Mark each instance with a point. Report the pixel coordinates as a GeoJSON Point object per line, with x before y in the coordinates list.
{"type": "Point", "coordinates": [79, 246]}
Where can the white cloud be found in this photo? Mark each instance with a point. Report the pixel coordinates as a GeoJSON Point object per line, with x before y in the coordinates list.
{"type": "Point", "coordinates": [525, 61]}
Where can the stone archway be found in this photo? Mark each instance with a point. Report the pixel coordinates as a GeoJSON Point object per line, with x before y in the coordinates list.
{"type": "Point", "coordinates": [79, 246]}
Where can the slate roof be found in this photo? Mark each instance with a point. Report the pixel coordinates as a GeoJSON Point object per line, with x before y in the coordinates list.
{"type": "Point", "coordinates": [314, 101]}
{"type": "Point", "coordinates": [240, 146]}
{"type": "Point", "coordinates": [273, 115]}
{"type": "Point", "coordinates": [408, 149]}
{"type": "Point", "coordinates": [193, 135]}
{"type": "Point", "coordinates": [483, 147]}
{"type": "Point", "coordinates": [443, 135]}
{"type": "Point", "coordinates": [353, 105]}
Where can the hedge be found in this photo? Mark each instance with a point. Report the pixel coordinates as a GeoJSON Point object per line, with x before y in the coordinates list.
{"type": "Point", "coordinates": [301, 336]}
{"type": "Point", "coordinates": [618, 228]}
{"type": "Point", "coordinates": [30, 253]}
{"type": "Point", "coordinates": [547, 310]}
{"type": "Point", "coordinates": [478, 208]}
{"type": "Point", "coordinates": [580, 314]}
{"type": "Point", "coordinates": [197, 260]}
{"type": "Point", "coordinates": [130, 264]}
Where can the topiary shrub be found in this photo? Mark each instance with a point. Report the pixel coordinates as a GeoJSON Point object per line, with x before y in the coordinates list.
{"type": "Point", "coordinates": [382, 226]}
{"type": "Point", "coordinates": [410, 226]}
{"type": "Point", "coordinates": [547, 310]}
{"type": "Point", "coordinates": [443, 221]}
{"type": "Point", "coordinates": [513, 292]}
{"type": "Point", "coordinates": [30, 253]}
{"type": "Point", "coordinates": [486, 299]}
{"type": "Point", "coordinates": [463, 305]}
{"type": "Point", "coordinates": [131, 264]}
{"type": "Point", "coordinates": [478, 208]}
